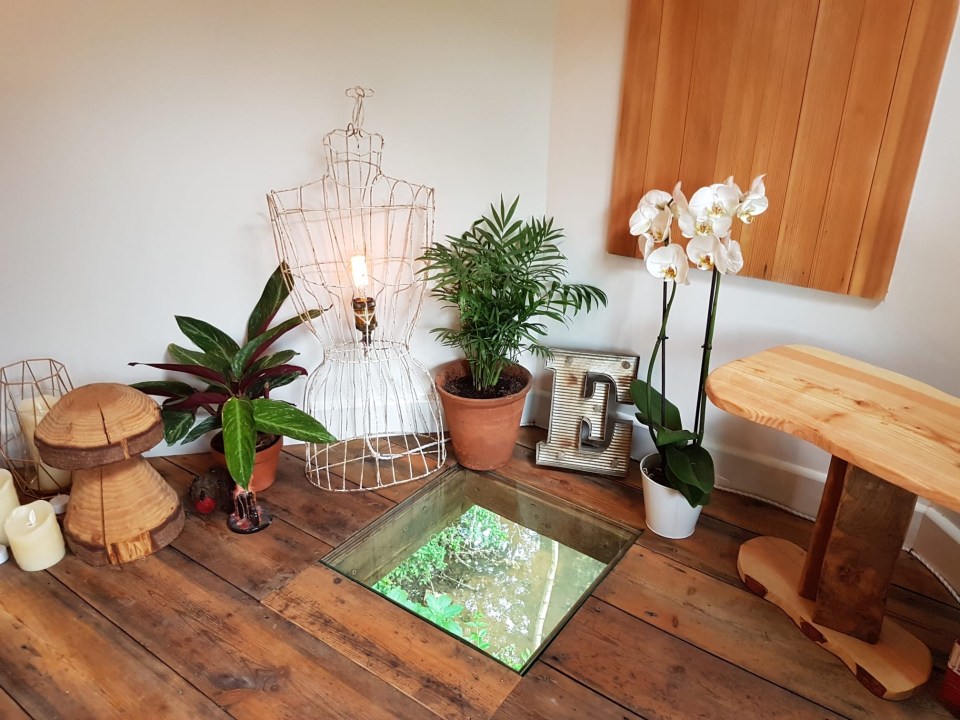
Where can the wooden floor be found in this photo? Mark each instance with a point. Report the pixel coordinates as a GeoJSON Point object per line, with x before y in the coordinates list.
{"type": "Point", "coordinates": [223, 625]}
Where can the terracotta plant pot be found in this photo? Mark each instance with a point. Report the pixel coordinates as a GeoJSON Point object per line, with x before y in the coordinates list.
{"type": "Point", "coordinates": [482, 432]}
{"type": "Point", "coordinates": [668, 513]}
{"type": "Point", "coordinates": [264, 464]}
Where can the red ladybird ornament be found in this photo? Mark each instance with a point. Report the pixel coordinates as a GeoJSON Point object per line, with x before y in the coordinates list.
{"type": "Point", "coordinates": [210, 491]}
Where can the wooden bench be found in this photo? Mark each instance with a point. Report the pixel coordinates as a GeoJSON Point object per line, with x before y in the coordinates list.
{"type": "Point", "coordinates": [892, 439]}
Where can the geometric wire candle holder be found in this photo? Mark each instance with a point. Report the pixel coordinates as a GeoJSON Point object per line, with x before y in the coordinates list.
{"type": "Point", "coordinates": [29, 389]}
{"type": "Point", "coordinates": [352, 241]}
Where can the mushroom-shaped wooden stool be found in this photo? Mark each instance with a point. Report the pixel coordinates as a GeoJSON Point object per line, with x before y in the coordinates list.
{"type": "Point", "coordinates": [120, 508]}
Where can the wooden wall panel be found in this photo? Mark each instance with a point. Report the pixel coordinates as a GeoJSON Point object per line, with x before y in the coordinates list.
{"type": "Point", "coordinates": [831, 59]}
{"type": "Point", "coordinates": [880, 41]}
{"type": "Point", "coordinates": [925, 47]}
{"type": "Point", "coordinates": [636, 107]}
{"type": "Point", "coordinates": [831, 98]}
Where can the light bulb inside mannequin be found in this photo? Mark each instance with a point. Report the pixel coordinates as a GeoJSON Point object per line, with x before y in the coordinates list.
{"type": "Point", "coordinates": [364, 306]}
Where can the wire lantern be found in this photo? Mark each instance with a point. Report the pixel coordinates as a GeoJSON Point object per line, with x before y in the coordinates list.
{"type": "Point", "coordinates": [352, 240]}
{"type": "Point", "coordinates": [29, 389]}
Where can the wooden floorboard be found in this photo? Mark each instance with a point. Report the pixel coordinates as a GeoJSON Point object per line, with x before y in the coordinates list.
{"type": "Point", "coordinates": [242, 655]}
{"type": "Point", "coordinates": [60, 658]}
{"type": "Point", "coordinates": [657, 675]}
{"type": "Point", "coordinates": [442, 673]}
{"type": "Point", "coordinates": [223, 625]}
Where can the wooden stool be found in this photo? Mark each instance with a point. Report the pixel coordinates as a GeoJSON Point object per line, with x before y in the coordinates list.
{"type": "Point", "coordinates": [892, 439]}
{"type": "Point", "coordinates": [120, 508]}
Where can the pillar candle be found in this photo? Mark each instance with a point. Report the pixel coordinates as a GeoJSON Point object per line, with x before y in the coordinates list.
{"type": "Point", "coordinates": [8, 501]}
{"type": "Point", "coordinates": [31, 411]}
{"type": "Point", "coordinates": [34, 536]}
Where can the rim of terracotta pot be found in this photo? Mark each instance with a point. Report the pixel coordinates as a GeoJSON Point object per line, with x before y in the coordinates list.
{"type": "Point", "coordinates": [461, 368]}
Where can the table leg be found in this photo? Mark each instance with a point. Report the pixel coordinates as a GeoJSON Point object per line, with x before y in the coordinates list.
{"type": "Point", "coordinates": [829, 501]}
{"type": "Point", "coordinates": [868, 531]}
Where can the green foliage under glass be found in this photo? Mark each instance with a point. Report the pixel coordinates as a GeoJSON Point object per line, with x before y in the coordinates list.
{"type": "Point", "coordinates": [237, 380]}
{"type": "Point", "coordinates": [502, 276]}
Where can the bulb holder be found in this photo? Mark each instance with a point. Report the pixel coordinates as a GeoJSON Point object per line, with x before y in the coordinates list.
{"type": "Point", "coordinates": [365, 316]}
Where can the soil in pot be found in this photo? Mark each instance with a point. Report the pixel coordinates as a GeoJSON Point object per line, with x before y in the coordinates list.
{"type": "Point", "coordinates": [463, 387]}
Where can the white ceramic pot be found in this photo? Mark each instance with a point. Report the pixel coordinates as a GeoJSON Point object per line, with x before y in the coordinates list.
{"type": "Point", "coordinates": [668, 513]}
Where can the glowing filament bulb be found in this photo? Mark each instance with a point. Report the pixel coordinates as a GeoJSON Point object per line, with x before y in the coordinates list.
{"type": "Point", "coordinates": [358, 266]}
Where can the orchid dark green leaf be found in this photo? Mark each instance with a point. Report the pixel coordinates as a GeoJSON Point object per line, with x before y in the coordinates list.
{"type": "Point", "coordinates": [690, 466]}
{"type": "Point", "coordinates": [208, 338]}
{"type": "Point", "coordinates": [671, 416]}
{"type": "Point", "coordinates": [280, 418]}
{"type": "Point", "coordinates": [239, 439]}
{"type": "Point", "coordinates": [674, 437]}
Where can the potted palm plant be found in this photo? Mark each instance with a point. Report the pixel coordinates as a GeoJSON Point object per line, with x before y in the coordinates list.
{"type": "Point", "coordinates": [503, 276]}
{"type": "Point", "coordinates": [234, 396]}
{"type": "Point", "coordinates": [679, 477]}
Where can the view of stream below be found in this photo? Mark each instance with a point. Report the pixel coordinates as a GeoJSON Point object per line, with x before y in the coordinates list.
{"type": "Point", "coordinates": [496, 584]}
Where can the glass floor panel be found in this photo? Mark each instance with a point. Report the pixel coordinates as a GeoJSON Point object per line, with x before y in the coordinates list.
{"type": "Point", "coordinates": [495, 563]}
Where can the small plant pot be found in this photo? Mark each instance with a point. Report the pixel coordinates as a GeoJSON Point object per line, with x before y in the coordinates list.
{"type": "Point", "coordinates": [668, 513]}
{"type": "Point", "coordinates": [265, 462]}
{"type": "Point", "coordinates": [482, 432]}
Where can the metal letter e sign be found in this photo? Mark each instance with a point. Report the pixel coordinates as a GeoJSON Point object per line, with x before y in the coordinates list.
{"type": "Point", "coordinates": [583, 433]}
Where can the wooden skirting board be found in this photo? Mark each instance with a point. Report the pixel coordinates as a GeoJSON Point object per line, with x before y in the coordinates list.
{"type": "Point", "coordinates": [894, 668]}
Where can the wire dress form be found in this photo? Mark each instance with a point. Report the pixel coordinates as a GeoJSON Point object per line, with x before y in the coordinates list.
{"type": "Point", "coordinates": [352, 240]}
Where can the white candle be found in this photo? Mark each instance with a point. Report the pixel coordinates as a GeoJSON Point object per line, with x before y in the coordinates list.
{"type": "Point", "coordinates": [34, 536]}
{"type": "Point", "coordinates": [31, 411]}
{"type": "Point", "coordinates": [8, 501]}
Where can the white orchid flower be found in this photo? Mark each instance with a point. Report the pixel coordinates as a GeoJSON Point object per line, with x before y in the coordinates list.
{"type": "Point", "coordinates": [650, 207]}
{"type": "Point", "coordinates": [734, 257]}
{"type": "Point", "coordinates": [753, 202]}
{"type": "Point", "coordinates": [710, 211]}
{"type": "Point", "coordinates": [669, 263]}
{"type": "Point", "coordinates": [659, 231]}
{"type": "Point", "coordinates": [708, 252]}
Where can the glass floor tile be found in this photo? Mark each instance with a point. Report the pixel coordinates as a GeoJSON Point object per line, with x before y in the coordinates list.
{"type": "Point", "coordinates": [495, 563]}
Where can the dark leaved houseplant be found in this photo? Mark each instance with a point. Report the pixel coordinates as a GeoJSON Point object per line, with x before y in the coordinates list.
{"type": "Point", "coordinates": [235, 384]}
{"type": "Point", "coordinates": [504, 277]}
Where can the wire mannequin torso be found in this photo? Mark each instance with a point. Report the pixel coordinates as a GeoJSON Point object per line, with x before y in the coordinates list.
{"type": "Point", "coordinates": [352, 240]}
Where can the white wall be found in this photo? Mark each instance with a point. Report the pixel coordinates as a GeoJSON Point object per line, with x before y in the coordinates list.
{"type": "Point", "coordinates": [914, 331]}
{"type": "Point", "coordinates": [138, 139]}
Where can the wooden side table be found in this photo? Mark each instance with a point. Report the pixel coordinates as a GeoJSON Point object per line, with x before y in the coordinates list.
{"type": "Point", "coordinates": [892, 439]}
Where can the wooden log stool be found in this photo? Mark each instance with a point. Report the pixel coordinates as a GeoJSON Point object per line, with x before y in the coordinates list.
{"type": "Point", "coordinates": [892, 438]}
{"type": "Point", "coordinates": [120, 508]}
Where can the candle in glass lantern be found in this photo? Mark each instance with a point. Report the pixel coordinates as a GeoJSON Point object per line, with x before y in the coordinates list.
{"type": "Point", "coordinates": [34, 536]}
{"type": "Point", "coordinates": [31, 411]}
{"type": "Point", "coordinates": [8, 501]}
{"type": "Point", "coordinates": [364, 306]}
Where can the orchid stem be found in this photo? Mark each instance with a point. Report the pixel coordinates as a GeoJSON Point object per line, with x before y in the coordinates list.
{"type": "Point", "coordinates": [658, 347]}
{"type": "Point", "coordinates": [701, 411]}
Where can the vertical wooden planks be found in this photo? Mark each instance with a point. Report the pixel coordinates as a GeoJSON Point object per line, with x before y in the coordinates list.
{"type": "Point", "coordinates": [830, 98]}
{"type": "Point", "coordinates": [872, 79]}
{"type": "Point", "coordinates": [709, 86]}
{"type": "Point", "coordinates": [678, 28]}
{"type": "Point", "coordinates": [921, 63]}
{"type": "Point", "coordinates": [831, 60]}
{"type": "Point", "coordinates": [636, 108]}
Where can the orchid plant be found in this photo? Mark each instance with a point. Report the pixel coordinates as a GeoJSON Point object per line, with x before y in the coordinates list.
{"type": "Point", "coordinates": [706, 221]}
